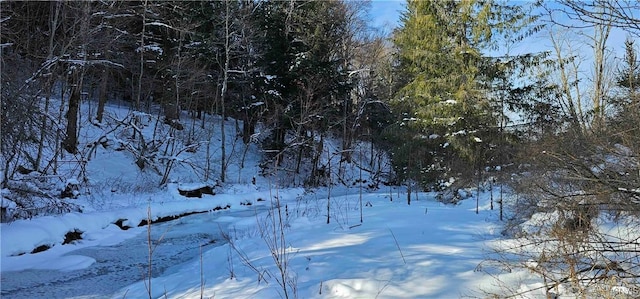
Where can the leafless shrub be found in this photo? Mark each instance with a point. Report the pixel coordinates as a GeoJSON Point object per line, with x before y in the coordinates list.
{"type": "Point", "coordinates": [273, 232]}
{"type": "Point", "coordinates": [577, 219]}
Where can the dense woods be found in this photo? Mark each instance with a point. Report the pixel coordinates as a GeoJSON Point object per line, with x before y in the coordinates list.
{"type": "Point", "coordinates": [302, 69]}
{"type": "Point", "coordinates": [432, 94]}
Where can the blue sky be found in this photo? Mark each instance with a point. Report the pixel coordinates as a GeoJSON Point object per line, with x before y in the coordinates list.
{"type": "Point", "coordinates": [385, 14]}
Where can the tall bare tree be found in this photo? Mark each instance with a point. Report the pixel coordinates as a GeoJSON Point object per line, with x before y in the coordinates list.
{"type": "Point", "coordinates": [223, 93]}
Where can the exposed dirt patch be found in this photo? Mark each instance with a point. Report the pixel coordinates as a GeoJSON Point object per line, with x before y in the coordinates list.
{"type": "Point", "coordinates": [197, 192]}
{"type": "Point", "coordinates": [218, 208]}
{"type": "Point", "coordinates": [41, 248]}
{"type": "Point", "coordinates": [72, 236]}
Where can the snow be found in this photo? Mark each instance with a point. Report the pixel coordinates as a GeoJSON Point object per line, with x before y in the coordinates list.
{"type": "Point", "coordinates": [152, 47]}
{"type": "Point", "coordinates": [423, 250]}
{"type": "Point", "coordinates": [22, 236]}
{"type": "Point", "coordinates": [6, 203]}
{"type": "Point", "coordinates": [437, 251]}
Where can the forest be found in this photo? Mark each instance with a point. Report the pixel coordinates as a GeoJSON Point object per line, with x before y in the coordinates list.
{"type": "Point", "coordinates": [462, 94]}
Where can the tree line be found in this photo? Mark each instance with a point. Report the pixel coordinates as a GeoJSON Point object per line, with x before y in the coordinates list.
{"type": "Point", "coordinates": [303, 69]}
{"type": "Point", "coordinates": [297, 67]}
{"type": "Point", "coordinates": [432, 94]}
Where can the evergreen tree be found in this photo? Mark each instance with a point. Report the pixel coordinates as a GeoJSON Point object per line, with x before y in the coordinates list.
{"type": "Point", "coordinates": [443, 100]}
{"type": "Point", "coordinates": [623, 120]}
{"type": "Point", "coordinates": [305, 79]}
{"type": "Point", "coordinates": [629, 78]}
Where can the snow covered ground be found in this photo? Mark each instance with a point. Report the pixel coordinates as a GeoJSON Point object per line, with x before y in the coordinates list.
{"type": "Point", "coordinates": [426, 250]}
{"type": "Point", "coordinates": [110, 258]}
{"type": "Point", "coordinates": [422, 250]}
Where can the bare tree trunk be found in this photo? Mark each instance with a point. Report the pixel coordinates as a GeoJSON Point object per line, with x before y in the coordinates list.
{"type": "Point", "coordinates": [71, 139]}
{"type": "Point", "coordinates": [600, 37]}
{"type": "Point", "coordinates": [49, 86]}
{"type": "Point", "coordinates": [102, 98]}
{"type": "Point", "coordinates": [346, 131]}
{"type": "Point", "coordinates": [58, 142]}
{"type": "Point", "coordinates": [223, 164]}
{"type": "Point", "coordinates": [573, 106]}
{"type": "Point", "coordinates": [210, 130]}
{"type": "Point", "coordinates": [299, 159]}
{"type": "Point", "coordinates": [77, 70]}
{"type": "Point", "coordinates": [144, 21]}
{"type": "Point", "coordinates": [248, 127]}
{"type": "Point", "coordinates": [329, 187]}
{"type": "Point", "coordinates": [315, 173]}
{"type": "Point", "coordinates": [139, 93]}
{"type": "Point", "coordinates": [43, 127]}
{"type": "Point", "coordinates": [360, 198]}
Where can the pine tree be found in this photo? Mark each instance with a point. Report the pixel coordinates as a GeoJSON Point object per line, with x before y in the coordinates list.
{"type": "Point", "coordinates": [305, 78]}
{"type": "Point", "coordinates": [443, 101]}
{"type": "Point", "coordinates": [629, 77]}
